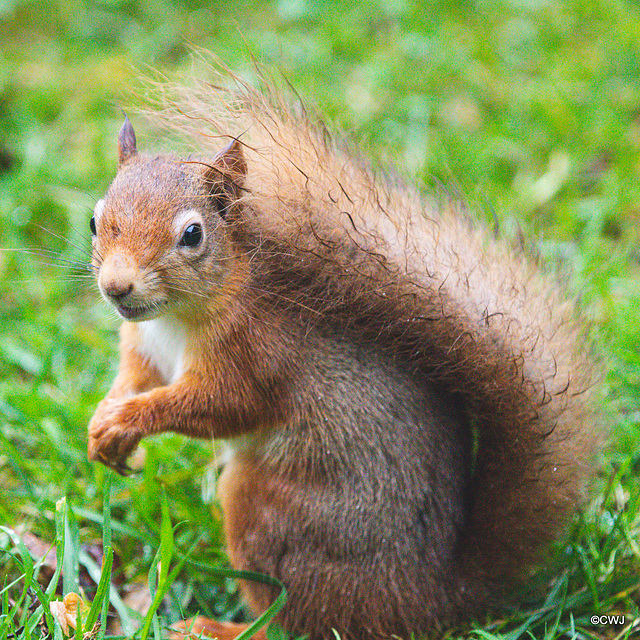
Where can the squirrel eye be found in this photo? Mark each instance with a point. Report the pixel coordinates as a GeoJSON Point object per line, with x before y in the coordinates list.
{"type": "Point", "coordinates": [191, 237]}
{"type": "Point", "coordinates": [92, 225]}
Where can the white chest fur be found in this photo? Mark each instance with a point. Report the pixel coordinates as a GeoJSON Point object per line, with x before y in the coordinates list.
{"type": "Point", "coordinates": [163, 342]}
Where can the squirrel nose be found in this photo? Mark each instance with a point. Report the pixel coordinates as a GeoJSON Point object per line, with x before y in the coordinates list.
{"type": "Point", "coordinates": [118, 289]}
{"type": "Point", "coordinates": [117, 277]}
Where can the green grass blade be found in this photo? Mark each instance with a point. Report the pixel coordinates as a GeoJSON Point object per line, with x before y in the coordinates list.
{"type": "Point", "coordinates": [26, 565]}
{"type": "Point", "coordinates": [591, 580]}
{"type": "Point", "coordinates": [107, 551]}
{"type": "Point", "coordinates": [166, 541]}
{"type": "Point", "coordinates": [102, 591]}
{"type": "Point", "coordinates": [106, 513]}
{"type": "Point", "coordinates": [70, 564]}
{"type": "Point", "coordinates": [165, 553]}
{"type": "Point", "coordinates": [128, 531]}
{"type": "Point", "coordinates": [265, 618]}
{"type": "Point", "coordinates": [11, 613]}
{"type": "Point", "coordinates": [60, 519]}
{"type": "Point", "coordinates": [35, 618]}
{"type": "Point", "coordinates": [121, 608]}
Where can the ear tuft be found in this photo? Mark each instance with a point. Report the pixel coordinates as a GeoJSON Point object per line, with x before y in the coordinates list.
{"type": "Point", "coordinates": [126, 142]}
{"type": "Point", "coordinates": [225, 176]}
{"type": "Point", "coordinates": [231, 160]}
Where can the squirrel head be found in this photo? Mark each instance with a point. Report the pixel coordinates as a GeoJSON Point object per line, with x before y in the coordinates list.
{"type": "Point", "coordinates": [160, 235]}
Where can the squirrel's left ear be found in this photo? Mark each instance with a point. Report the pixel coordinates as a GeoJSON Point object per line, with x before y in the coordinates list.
{"type": "Point", "coordinates": [225, 176]}
{"type": "Point", "coordinates": [126, 142]}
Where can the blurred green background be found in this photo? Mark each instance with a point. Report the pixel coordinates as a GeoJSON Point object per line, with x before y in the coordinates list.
{"type": "Point", "coordinates": [529, 111]}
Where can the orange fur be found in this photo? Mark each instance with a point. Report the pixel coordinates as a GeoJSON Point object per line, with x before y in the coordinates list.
{"type": "Point", "coordinates": [207, 628]}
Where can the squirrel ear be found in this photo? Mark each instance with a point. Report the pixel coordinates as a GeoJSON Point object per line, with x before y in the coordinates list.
{"type": "Point", "coordinates": [225, 176]}
{"type": "Point", "coordinates": [126, 142]}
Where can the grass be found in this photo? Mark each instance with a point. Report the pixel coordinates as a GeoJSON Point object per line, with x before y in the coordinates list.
{"type": "Point", "coordinates": [528, 111]}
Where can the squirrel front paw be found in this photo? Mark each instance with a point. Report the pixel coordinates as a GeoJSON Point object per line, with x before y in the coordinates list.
{"type": "Point", "coordinates": [113, 434]}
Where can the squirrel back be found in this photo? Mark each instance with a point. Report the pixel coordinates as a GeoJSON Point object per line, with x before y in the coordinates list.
{"type": "Point", "coordinates": [466, 365]}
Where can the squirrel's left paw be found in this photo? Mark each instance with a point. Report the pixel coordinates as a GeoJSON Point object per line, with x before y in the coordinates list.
{"type": "Point", "coordinates": [113, 434]}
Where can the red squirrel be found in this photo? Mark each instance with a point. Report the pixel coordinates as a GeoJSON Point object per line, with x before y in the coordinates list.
{"type": "Point", "coordinates": [409, 400]}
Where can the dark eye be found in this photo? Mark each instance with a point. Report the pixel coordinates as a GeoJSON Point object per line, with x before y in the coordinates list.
{"type": "Point", "coordinates": [92, 225]}
{"type": "Point", "coordinates": [191, 237]}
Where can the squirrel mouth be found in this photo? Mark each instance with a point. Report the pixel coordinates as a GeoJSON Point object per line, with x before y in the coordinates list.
{"type": "Point", "coordinates": [140, 312]}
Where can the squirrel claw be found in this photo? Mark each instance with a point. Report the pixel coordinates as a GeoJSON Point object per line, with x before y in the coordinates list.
{"type": "Point", "coordinates": [112, 435]}
{"type": "Point", "coordinates": [121, 468]}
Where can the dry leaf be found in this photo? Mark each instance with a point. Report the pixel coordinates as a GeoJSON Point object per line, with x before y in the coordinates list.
{"type": "Point", "coordinates": [65, 611]}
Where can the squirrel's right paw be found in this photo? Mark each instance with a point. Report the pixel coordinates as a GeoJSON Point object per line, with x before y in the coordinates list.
{"type": "Point", "coordinates": [111, 438]}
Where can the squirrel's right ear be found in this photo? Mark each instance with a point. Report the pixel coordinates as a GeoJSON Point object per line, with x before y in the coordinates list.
{"type": "Point", "coordinates": [225, 176]}
{"type": "Point", "coordinates": [126, 142]}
